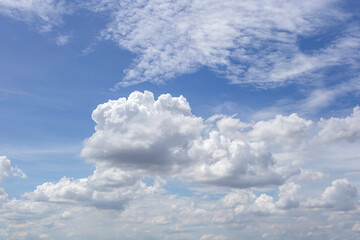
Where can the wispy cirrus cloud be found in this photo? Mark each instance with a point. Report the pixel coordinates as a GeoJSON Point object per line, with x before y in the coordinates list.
{"type": "Point", "coordinates": [252, 42]}
{"type": "Point", "coordinates": [246, 42]}
{"type": "Point", "coordinates": [44, 14]}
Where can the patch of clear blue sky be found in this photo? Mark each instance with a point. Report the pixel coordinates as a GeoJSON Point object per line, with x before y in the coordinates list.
{"type": "Point", "coordinates": [47, 94]}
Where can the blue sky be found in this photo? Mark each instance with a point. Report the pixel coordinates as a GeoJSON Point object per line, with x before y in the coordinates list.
{"type": "Point", "coordinates": [179, 119]}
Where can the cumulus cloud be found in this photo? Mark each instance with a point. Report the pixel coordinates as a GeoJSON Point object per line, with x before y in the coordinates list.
{"type": "Point", "coordinates": [229, 126]}
{"type": "Point", "coordinates": [162, 136]}
{"type": "Point", "coordinates": [141, 133]}
{"type": "Point", "coordinates": [45, 13]}
{"type": "Point", "coordinates": [245, 41]}
{"type": "Point", "coordinates": [20, 211]}
{"type": "Point", "coordinates": [310, 175]}
{"type": "Point", "coordinates": [105, 189]}
{"type": "Point", "coordinates": [340, 196]}
{"type": "Point", "coordinates": [234, 163]}
{"type": "Point", "coordinates": [282, 129]}
{"type": "Point", "coordinates": [6, 170]}
{"type": "Point", "coordinates": [139, 140]}
{"type": "Point", "coordinates": [242, 202]}
{"type": "Point", "coordinates": [141, 136]}
{"type": "Point", "coordinates": [335, 129]}
{"type": "Point", "coordinates": [288, 196]}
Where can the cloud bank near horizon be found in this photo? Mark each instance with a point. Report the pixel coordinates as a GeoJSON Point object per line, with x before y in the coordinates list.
{"type": "Point", "coordinates": [221, 153]}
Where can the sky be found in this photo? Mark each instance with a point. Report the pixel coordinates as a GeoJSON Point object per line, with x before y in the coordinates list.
{"type": "Point", "coordinates": [179, 119]}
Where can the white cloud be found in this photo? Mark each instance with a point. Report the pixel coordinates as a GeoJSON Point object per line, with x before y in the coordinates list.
{"type": "Point", "coordinates": [45, 13]}
{"type": "Point", "coordinates": [141, 133]}
{"type": "Point", "coordinates": [242, 202]}
{"type": "Point", "coordinates": [323, 97]}
{"type": "Point", "coordinates": [105, 189]}
{"type": "Point", "coordinates": [263, 204]}
{"type": "Point", "coordinates": [237, 197]}
{"type": "Point", "coordinates": [234, 163]}
{"type": "Point", "coordinates": [140, 136]}
{"type": "Point", "coordinates": [6, 170]}
{"type": "Point", "coordinates": [3, 196]}
{"type": "Point", "coordinates": [245, 41]}
{"type": "Point", "coordinates": [283, 130]}
{"type": "Point", "coordinates": [310, 175]}
{"type": "Point", "coordinates": [230, 127]}
{"type": "Point", "coordinates": [288, 196]}
{"type": "Point", "coordinates": [161, 216]}
{"type": "Point", "coordinates": [335, 129]}
{"type": "Point", "coordinates": [128, 198]}
{"type": "Point", "coordinates": [340, 196]}
{"type": "Point", "coordinates": [62, 40]}
{"type": "Point", "coordinates": [162, 136]}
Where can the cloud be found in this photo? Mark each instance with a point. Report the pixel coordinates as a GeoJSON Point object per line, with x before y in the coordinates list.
{"type": "Point", "coordinates": [21, 211]}
{"type": "Point", "coordinates": [323, 97]}
{"type": "Point", "coordinates": [310, 175]}
{"type": "Point", "coordinates": [253, 42]}
{"type": "Point", "coordinates": [162, 137]}
{"type": "Point", "coordinates": [142, 137]}
{"type": "Point", "coordinates": [62, 40]}
{"type": "Point", "coordinates": [6, 170]}
{"type": "Point", "coordinates": [108, 188]}
{"type": "Point", "coordinates": [212, 237]}
{"type": "Point", "coordinates": [141, 133]}
{"type": "Point", "coordinates": [129, 197]}
{"type": "Point", "coordinates": [336, 129]}
{"type": "Point", "coordinates": [340, 196]}
{"type": "Point", "coordinates": [281, 130]}
{"type": "Point", "coordinates": [242, 202]}
{"type": "Point", "coordinates": [3, 196]}
{"type": "Point", "coordinates": [44, 13]}
{"type": "Point", "coordinates": [229, 127]}
{"type": "Point", "coordinates": [247, 41]}
{"type": "Point", "coordinates": [234, 163]}
{"type": "Point", "coordinates": [288, 196]}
